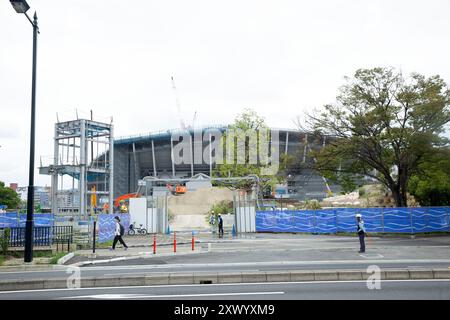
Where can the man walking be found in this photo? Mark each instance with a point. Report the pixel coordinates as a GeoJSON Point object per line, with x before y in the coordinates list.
{"type": "Point", "coordinates": [361, 230]}
{"type": "Point", "coordinates": [220, 223]}
{"type": "Point", "coordinates": [119, 232]}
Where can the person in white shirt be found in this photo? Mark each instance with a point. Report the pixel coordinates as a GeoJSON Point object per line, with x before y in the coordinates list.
{"type": "Point", "coordinates": [119, 232]}
{"type": "Point", "coordinates": [361, 230]}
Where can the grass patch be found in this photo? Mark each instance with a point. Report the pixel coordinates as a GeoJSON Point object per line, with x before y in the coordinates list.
{"type": "Point", "coordinates": [56, 257]}
{"type": "Point", "coordinates": [107, 244]}
{"type": "Point", "coordinates": [2, 259]}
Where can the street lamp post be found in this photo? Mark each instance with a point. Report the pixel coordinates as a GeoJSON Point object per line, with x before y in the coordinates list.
{"type": "Point", "coordinates": [21, 6]}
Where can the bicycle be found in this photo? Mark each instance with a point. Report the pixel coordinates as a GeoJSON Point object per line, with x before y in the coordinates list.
{"type": "Point", "coordinates": [133, 230]}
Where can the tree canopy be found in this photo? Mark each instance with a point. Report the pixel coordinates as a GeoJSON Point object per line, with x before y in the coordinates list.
{"type": "Point", "coordinates": [384, 126]}
{"type": "Point", "coordinates": [8, 197]}
{"type": "Point", "coordinates": [245, 123]}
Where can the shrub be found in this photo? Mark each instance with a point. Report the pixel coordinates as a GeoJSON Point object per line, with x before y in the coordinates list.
{"type": "Point", "coordinates": [4, 240]}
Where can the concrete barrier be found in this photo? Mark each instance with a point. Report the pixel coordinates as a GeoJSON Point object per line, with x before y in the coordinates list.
{"type": "Point", "coordinates": [253, 277]}
{"type": "Point", "coordinates": [421, 274]}
{"type": "Point", "coordinates": [181, 278]}
{"type": "Point", "coordinates": [300, 275]}
{"type": "Point", "coordinates": [278, 276]}
{"type": "Point", "coordinates": [229, 277]}
{"type": "Point", "coordinates": [226, 277]}
{"type": "Point", "coordinates": [350, 275]}
{"type": "Point", "coordinates": [441, 273]}
{"type": "Point", "coordinates": [200, 278]}
{"type": "Point", "coordinates": [156, 279]}
{"type": "Point", "coordinates": [397, 274]}
{"type": "Point", "coordinates": [325, 275]}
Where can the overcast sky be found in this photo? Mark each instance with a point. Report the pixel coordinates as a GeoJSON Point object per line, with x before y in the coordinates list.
{"type": "Point", "coordinates": [278, 57]}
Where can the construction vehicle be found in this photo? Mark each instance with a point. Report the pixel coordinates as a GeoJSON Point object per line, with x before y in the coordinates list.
{"type": "Point", "coordinates": [178, 189]}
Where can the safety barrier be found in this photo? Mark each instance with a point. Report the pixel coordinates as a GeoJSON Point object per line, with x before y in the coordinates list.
{"type": "Point", "coordinates": [107, 226]}
{"type": "Point", "coordinates": [391, 220]}
{"type": "Point", "coordinates": [42, 236]}
{"type": "Point", "coordinates": [14, 220]}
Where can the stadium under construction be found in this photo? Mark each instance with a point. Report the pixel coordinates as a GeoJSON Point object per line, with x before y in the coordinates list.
{"type": "Point", "coordinates": [86, 176]}
{"type": "Point", "coordinates": [152, 155]}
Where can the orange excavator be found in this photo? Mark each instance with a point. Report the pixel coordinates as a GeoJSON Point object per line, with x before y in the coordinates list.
{"type": "Point", "coordinates": [119, 202]}
{"type": "Point", "coordinates": [178, 189]}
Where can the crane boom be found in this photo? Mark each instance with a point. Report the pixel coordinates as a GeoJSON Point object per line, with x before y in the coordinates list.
{"type": "Point", "coordinates": [177, 102]}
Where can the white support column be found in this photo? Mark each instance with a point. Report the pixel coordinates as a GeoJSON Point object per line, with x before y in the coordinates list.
{"type": "Point", "coordinates": [153, 159]}
{"type": "Point", "coordinates": [111, 169]}
{"type": "Point", "coordinates": [136, 173]}
{"type": "Point", "coordinates": [304, 149]}
{"type": "Point", "coordinates": [171, 156]}
{"type": "Point", "coordinates": [191, 154]}
{"type": "Point", "coordinates": [55, 173]}
{"type": "Point", "coordinates": [82, 182]}
{"type": "Point", "coordinates": [287, 143]}
{"type": "Point", "coordinates": [210, 157]}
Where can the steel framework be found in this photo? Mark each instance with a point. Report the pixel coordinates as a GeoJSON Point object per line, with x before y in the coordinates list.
{"type": "Point", "coordinates": [84, 155]}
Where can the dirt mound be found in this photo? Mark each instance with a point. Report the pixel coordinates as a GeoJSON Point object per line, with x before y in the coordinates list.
{"type": "Point", "coordinates": [199, 201]}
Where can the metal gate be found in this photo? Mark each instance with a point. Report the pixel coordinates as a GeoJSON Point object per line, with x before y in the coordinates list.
{"type": "Point", "coordinates": [244, 211]}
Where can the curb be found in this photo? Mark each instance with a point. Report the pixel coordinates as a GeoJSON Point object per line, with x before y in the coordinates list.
{"type": "Point", "coordinates": [142, 255]}
{"type": "Point", "coordinates": [66, 258]}
{"type": "Point", "coordinates": [227, 277]}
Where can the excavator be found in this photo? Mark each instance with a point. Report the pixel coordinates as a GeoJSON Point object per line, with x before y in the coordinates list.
{"type": "Point", "coordinates": [120, 202]}
{"type": "Point", "coordinates": [178, 189]}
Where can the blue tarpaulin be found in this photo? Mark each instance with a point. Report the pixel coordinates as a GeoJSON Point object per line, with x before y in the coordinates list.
{"type": "Point", "coordinates": [107, 226]}
{"type": "Point", "coordinates": [400, 220]}
{"type": "Point", "coordinates": [14, 219]}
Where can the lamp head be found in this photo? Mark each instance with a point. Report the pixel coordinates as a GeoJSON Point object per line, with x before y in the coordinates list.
{"type": "Point", "coordinates": [21, 6]}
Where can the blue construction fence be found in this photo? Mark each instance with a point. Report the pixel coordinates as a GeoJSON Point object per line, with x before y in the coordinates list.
{"type": "Point", "coordinates": [107, 225]}
{"type": "Point", "coordinates": [397, 220]}
{"type": "Point", "coordinates": [16, 220]}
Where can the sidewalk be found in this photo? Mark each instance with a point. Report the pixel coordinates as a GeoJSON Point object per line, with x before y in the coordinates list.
{"type": "Point", "coordinates": [134, 251]}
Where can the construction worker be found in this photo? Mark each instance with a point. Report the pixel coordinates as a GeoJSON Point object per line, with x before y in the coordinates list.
{"type": "Point", "coordinates": [361, 230]}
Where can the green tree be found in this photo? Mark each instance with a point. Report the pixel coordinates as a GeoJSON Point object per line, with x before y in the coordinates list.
{"type": "Point", "coordinates": [8, 197]}
{"type": "Point", "coordinates": [431, 186]}
{"type": "Point", "coordinates": [384, 126]}
{"type": "Point", "coordinates": [247, 122]}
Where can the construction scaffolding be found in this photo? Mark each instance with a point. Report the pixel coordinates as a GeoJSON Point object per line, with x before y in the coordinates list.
{"type": "Point", "coordinates": [82, 168]}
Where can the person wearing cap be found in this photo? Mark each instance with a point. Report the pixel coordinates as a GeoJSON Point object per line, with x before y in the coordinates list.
{"type": "Point", "coordinates": [119, 232]}
{"type": "Point", "coordinates": [361, 230]}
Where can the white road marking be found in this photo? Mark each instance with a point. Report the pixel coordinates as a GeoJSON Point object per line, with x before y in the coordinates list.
{"type": "Point", "coordinates": [223, 284]}
{"type": "Point", "coordinates": [266, 263]}
{"type": "Point", "coordinates": [377, 255]}
{"type": "Point", "coordinates": [141, 296]}
{"type": "Point", "coordinates": [150, 272]}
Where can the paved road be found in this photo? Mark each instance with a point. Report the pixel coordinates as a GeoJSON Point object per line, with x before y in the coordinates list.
{"type": "Point", "coordinates": [148, 269]}
{"type": "Point", "coordinates": [343, 290]}
{"type": "Point", "coordinates": [275, 252]}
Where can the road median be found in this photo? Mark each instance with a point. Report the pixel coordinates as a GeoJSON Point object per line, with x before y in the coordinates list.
{"type": "Point", "coordinates": [220, 278]}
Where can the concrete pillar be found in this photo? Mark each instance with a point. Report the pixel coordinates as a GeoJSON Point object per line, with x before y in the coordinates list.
{"type": "Point", "coordinates": [82, 182]}
{"type": "Point", "coordinates": [111, 169]}
{"type": "Point", "coordinates": [153, 159]}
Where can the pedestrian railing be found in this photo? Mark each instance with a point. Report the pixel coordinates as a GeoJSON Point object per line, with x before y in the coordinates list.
{"type": "Point", "coordinates": [42, 236]}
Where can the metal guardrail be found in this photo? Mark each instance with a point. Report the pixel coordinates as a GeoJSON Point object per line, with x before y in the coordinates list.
{"type": "Point", "coordinates": [42, 236]}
